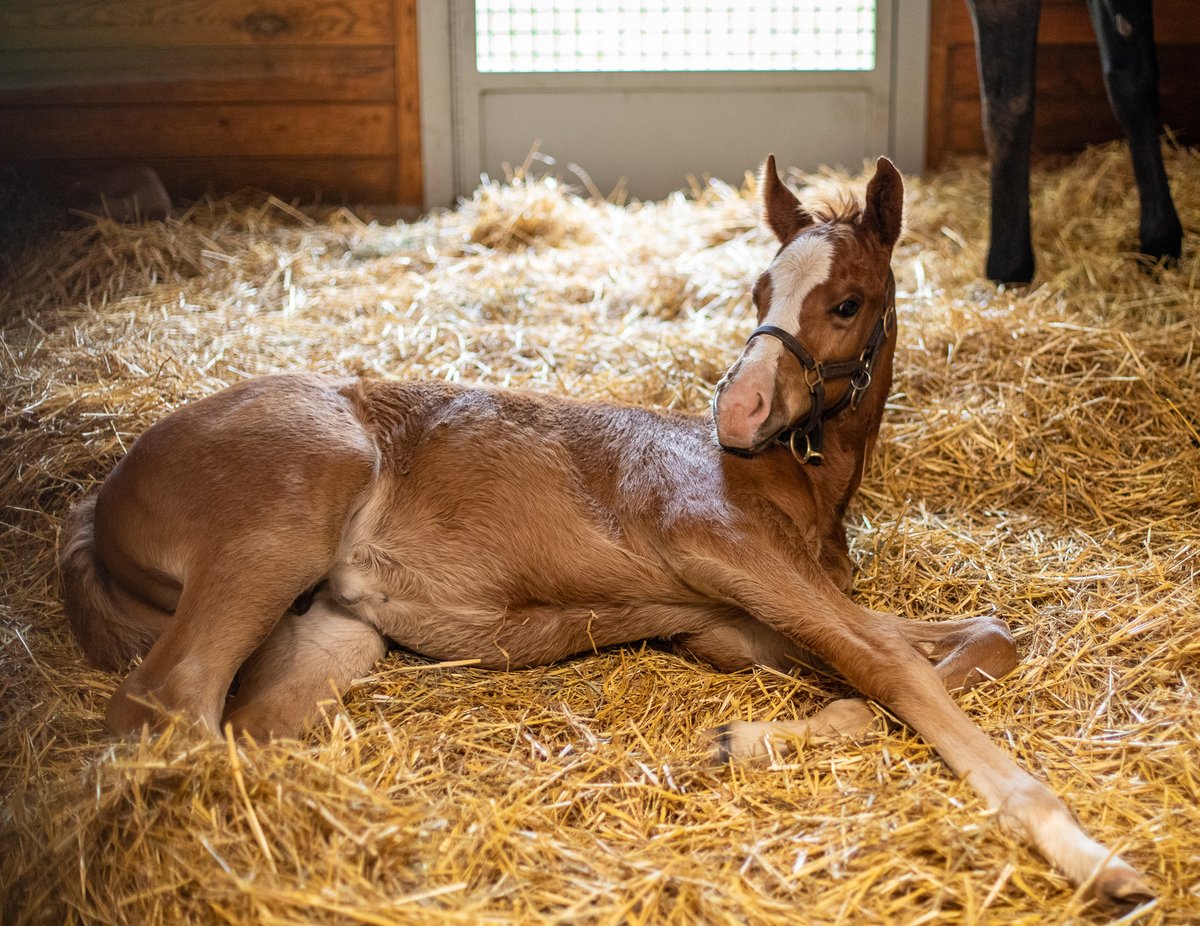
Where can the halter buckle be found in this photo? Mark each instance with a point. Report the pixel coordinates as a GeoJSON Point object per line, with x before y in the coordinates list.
{"type": "Point", "coordinates": [860, 382]}
{"type": "Point", "coordinates": [809, 373]}
{"type": "Point", "coordinates": [809, 455]}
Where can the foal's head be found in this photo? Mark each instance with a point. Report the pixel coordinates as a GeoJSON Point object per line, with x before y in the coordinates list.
{"type": "Point", "coordinates": [828, 288]}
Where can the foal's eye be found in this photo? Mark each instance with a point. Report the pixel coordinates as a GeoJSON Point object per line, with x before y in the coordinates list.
{"type": "Point", "coordinates": [847, 309]}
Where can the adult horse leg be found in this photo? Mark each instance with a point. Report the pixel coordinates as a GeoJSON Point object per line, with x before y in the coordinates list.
{"type": "Point", "coordinates": [1006, 39]}
{"type": "Point", "coordinates": [1125, 31]}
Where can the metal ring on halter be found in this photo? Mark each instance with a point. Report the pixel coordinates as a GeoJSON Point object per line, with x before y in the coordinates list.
{"type": "Point", "coordinates": [813, 383]}
{"type": "Point", "coordinates": [809, 454]}
{"type": "Point", "coordinates": [860, 381]}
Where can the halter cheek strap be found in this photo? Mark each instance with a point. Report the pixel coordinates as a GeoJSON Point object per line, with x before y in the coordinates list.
{"type": "Point", "coordinates": [808, 433]}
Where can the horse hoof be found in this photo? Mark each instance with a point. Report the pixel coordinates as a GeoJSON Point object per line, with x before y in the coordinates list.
{"type": "Point", "coordinates": [1120, 885]}
{"type": "Point", "coordinates": [720, 744]}
{"type": "Point", "coordinates": [1162, 245]}
{"type": "Point", "coordinates": [1011, 269]}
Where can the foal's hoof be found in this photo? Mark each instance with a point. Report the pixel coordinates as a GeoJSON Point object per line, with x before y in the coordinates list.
{"type": "Point", "coordinates": [1120, 884]}
{"type": "Point", "coordinates": [129, 711]}
{"type": "Point", "coordinates": [720, 750]}
{"type": "Point", "coordinates": [739, 739]}
{"type": "Point", "coordinates": [132, 709]}
{"type": "Point", "coordinates": [263, 724]}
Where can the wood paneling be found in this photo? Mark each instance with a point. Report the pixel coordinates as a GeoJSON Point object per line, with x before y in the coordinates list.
{"type": "Point", "coordinates": [304, 98]}
{"type": "Point", "coordinates": [197, 75]}
{"type": "Point", "coordinates": [1071, 108]}
{"type": "Point", "coordinates": [157, 131]}
{"type": "Point", "coordinates": [305, 179]}
{"type": "Point", "coordinates": [182, 23]}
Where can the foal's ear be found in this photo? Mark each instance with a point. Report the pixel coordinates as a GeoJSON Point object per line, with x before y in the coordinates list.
{"type": "Point", "coordinates": [782, 210]}
{"type": "Point", "coordinates": [885, 202]}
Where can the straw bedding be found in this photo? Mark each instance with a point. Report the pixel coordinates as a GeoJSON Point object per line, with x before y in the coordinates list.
{"type": "Point", "coordinates": [1040, 460]}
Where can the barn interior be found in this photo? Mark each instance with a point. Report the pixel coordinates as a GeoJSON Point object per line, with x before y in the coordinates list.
{"type": "Point", "coordinates": [1039, 461]}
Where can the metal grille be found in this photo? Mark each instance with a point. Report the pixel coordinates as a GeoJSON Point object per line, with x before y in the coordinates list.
{"type": "Point", "coordinates": [540, 36]}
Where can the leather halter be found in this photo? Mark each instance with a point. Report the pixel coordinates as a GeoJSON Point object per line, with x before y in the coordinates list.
{"type": "Point", "coordinates": [811, 429]}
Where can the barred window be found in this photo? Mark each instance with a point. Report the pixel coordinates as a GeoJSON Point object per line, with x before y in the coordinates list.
{"type": "Point", "coordinates": [549, 36]}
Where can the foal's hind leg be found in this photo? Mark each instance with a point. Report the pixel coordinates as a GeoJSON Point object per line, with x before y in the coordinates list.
{"type": "Point", "coordinates": [308, 658]}
{"type": "Point", "coordinates": [964, 654]}
{"type": "Point", "coordinates": [732, 641]}
{"type": "Point", "coordinates": [225, 611]}
{"type": "Point", "coordinates": [1125, 32]}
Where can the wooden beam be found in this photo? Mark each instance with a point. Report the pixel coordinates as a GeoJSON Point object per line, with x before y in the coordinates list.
{"type": "Point", "coordinates": [410, 170]}
{"type": "Point", "coordinates": [336, 180]}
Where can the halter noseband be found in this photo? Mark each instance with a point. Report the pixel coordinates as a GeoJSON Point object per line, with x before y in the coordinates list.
{"type": "Point", "coordinates": [816, 372]}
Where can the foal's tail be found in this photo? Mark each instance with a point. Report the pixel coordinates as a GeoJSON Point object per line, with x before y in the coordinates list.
{"type": "Point", "coordinates": [110, 624]}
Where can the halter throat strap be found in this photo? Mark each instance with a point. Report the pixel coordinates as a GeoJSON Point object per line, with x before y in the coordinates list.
{"type": "Point", "coordinates": [805, 437]}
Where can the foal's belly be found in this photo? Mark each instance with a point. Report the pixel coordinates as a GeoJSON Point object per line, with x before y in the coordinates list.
{"type": "Point", "coordinates": [451, 595]}
{"type": "Point", "coordinates": [523, 635]}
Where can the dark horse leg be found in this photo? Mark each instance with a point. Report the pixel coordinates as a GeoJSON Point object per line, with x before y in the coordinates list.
{"type": "Point", "coordinates": [1125, 31]}
{"type": "Point", "coordinates": [1006, 39]}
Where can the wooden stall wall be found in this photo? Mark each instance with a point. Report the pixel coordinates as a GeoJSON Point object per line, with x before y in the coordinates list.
{"type": "Point", "coordinates": [1071, 108]}
{"type": "Point", "coordinates": [308, 99]}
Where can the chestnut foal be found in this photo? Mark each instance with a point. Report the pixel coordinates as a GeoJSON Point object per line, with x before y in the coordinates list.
{"type": "Point", "coordinates": [517, 529]}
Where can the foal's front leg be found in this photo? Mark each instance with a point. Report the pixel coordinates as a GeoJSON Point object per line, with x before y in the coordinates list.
{"type": "Point", "coordinates": [964, 653]}
{"type": "Point", "coordinates": [876, 657]}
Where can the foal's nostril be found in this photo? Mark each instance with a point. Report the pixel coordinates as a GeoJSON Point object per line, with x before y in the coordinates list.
{"type": "Point", "coordinates": [742, 407]}
{"type": "Point", "coordinates": [748, 404]}
{"type": "Point", "coordinates": [759, 411]}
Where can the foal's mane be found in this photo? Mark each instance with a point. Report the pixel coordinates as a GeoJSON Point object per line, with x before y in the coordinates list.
{"type": "Point", "coordinates": [846, 210]}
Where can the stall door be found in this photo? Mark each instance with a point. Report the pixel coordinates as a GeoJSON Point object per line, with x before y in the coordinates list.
{"type": "Point", "coordinates": [642, 95]}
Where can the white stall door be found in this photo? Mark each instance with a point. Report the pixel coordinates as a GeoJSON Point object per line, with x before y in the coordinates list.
{"type": "Point", "coordinates": [649, 94]}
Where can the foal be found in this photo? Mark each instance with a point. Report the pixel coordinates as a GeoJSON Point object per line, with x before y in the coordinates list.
{"type": "Point", "coordinates": [517, 529]}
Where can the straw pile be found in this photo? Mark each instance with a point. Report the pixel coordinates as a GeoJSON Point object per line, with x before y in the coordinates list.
{"type": "Point", "coordinates": [1040, 460]}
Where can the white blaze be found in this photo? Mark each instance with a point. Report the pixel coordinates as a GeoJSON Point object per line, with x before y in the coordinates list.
{"type": "Point", "coordinates": [797, 271]}
{"type": "Point", "coordinates": [747, 397]}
